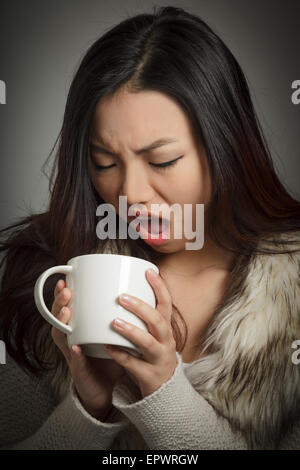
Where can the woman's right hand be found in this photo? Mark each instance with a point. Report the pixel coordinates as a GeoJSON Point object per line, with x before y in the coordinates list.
{"type": "Point", "coordinates": [94, 378]}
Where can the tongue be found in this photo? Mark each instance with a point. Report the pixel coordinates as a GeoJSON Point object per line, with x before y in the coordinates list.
{"type": "Point", "coordinates": [156, 226]}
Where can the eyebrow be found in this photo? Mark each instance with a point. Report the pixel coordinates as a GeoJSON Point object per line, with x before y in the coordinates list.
{"type": "Point", "coordinates": [154, 145]}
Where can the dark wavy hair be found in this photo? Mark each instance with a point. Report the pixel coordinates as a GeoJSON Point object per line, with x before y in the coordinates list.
{"type": "Point", "coordinates": [176, 53]}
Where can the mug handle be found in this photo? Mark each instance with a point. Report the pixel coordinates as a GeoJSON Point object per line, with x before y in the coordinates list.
{"type": "Point", "coordinates": [39, 298]}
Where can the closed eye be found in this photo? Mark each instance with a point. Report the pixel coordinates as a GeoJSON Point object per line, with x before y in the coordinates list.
{"type": "Point", "coordinates": [163, 166]}
{"type": "Point", "coordinates": [159, 166]}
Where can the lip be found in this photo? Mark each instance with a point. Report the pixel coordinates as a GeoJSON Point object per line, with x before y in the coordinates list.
{"type": "Point", "coordinates": [143, 214]}
{"type": "Point", "coordinates": [147, 214]}
{"type": "Point", "coordinates": [155, 239]}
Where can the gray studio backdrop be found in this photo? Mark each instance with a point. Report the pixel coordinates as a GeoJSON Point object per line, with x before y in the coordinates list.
{"type": "Point", "coordinates": [42, 42]}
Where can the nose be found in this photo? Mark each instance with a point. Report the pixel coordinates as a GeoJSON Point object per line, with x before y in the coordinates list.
{"type": "Point", "coordinates": [136, 185]}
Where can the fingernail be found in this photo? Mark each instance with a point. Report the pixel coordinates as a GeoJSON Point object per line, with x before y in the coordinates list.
{"type": "Point", "coordinates": [120, 323]}
{"type": "Point", "coordinates": [127, 299]}
{"type": "Point", "coordinates": [152, 272]}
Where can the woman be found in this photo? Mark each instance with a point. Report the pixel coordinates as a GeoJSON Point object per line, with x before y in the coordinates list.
{"type": "Point", "coordinates": [218, 370]}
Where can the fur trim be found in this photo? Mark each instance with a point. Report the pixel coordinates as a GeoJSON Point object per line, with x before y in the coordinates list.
{"type": "Point", "coordinates": [250, 378]}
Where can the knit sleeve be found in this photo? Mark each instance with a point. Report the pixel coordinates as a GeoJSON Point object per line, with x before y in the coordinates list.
{"type": "Point", "coordinates": [176, 416]}
{"type": "Point", "coordinates": [31, 419]}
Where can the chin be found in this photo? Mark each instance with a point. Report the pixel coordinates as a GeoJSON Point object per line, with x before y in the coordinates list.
{"type": "Point", "coordinates": [171, 246]}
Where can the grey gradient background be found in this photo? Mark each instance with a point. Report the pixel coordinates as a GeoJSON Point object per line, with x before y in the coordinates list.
{"type": "Point", "coordinates": [43, 41]}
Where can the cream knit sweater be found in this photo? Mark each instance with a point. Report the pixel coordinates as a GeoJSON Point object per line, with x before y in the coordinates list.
{"type": "Point", "coordinates": [175, 416]}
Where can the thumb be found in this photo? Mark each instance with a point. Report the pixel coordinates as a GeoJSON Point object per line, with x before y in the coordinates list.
{"type": "Point", "coordinates": [78, 360]}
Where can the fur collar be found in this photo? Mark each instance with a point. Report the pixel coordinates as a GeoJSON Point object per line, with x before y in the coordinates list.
{"type": "Point", "coordinates": [248, 375]}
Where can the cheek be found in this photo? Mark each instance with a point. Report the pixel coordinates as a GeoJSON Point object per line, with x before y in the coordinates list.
{"type": "Point", "coordinates": [191, 186]}
{"type": "Point", "coordinates": [104, 188]}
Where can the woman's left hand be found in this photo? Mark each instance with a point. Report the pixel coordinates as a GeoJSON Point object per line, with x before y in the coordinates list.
{"type": "Point", "coordinates": [158, 345]}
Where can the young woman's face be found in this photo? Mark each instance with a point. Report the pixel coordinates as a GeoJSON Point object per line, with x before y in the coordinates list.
{"type": "Point", "coordinates": [127, 122]}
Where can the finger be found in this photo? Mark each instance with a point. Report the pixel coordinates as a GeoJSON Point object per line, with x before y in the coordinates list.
{"type": "Point", "coordinates": [78, 360]}
{"type": "Point", "coordinates": [131, 363]}
{"type": "Point", "coordinates": [156, 323]}
{"type": "Point", "coordinates": [150, 348]}
{"type": "Point", "coordinates": [61, 300]}
{"type": "Point", "coordinates": [59, 286]}
{"type": "Point", "coordinates": [162, 294]}
{"type": "Point", "coordinates": [137, 369]}
{"type": "Point", "coordinates": [60, 338]}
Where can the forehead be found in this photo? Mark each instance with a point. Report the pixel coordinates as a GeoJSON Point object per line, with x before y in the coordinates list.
{"type": "Point", "coordinates": [138, 118]}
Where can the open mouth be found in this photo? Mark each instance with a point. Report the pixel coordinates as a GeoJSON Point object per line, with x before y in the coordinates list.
{"type": "Point", "coordinates": [153, 225]}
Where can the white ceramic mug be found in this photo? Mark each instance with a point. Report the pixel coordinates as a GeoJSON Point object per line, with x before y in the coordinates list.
{"type": "Point", "coordinates": [96, 281]}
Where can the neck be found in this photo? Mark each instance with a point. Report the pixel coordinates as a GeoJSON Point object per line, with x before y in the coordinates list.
{"type": "Point", "coordinates": [189, 263]}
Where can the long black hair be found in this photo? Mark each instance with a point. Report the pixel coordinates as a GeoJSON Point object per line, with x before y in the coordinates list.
{"type": "Point", "coordinates": [176, 53]}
